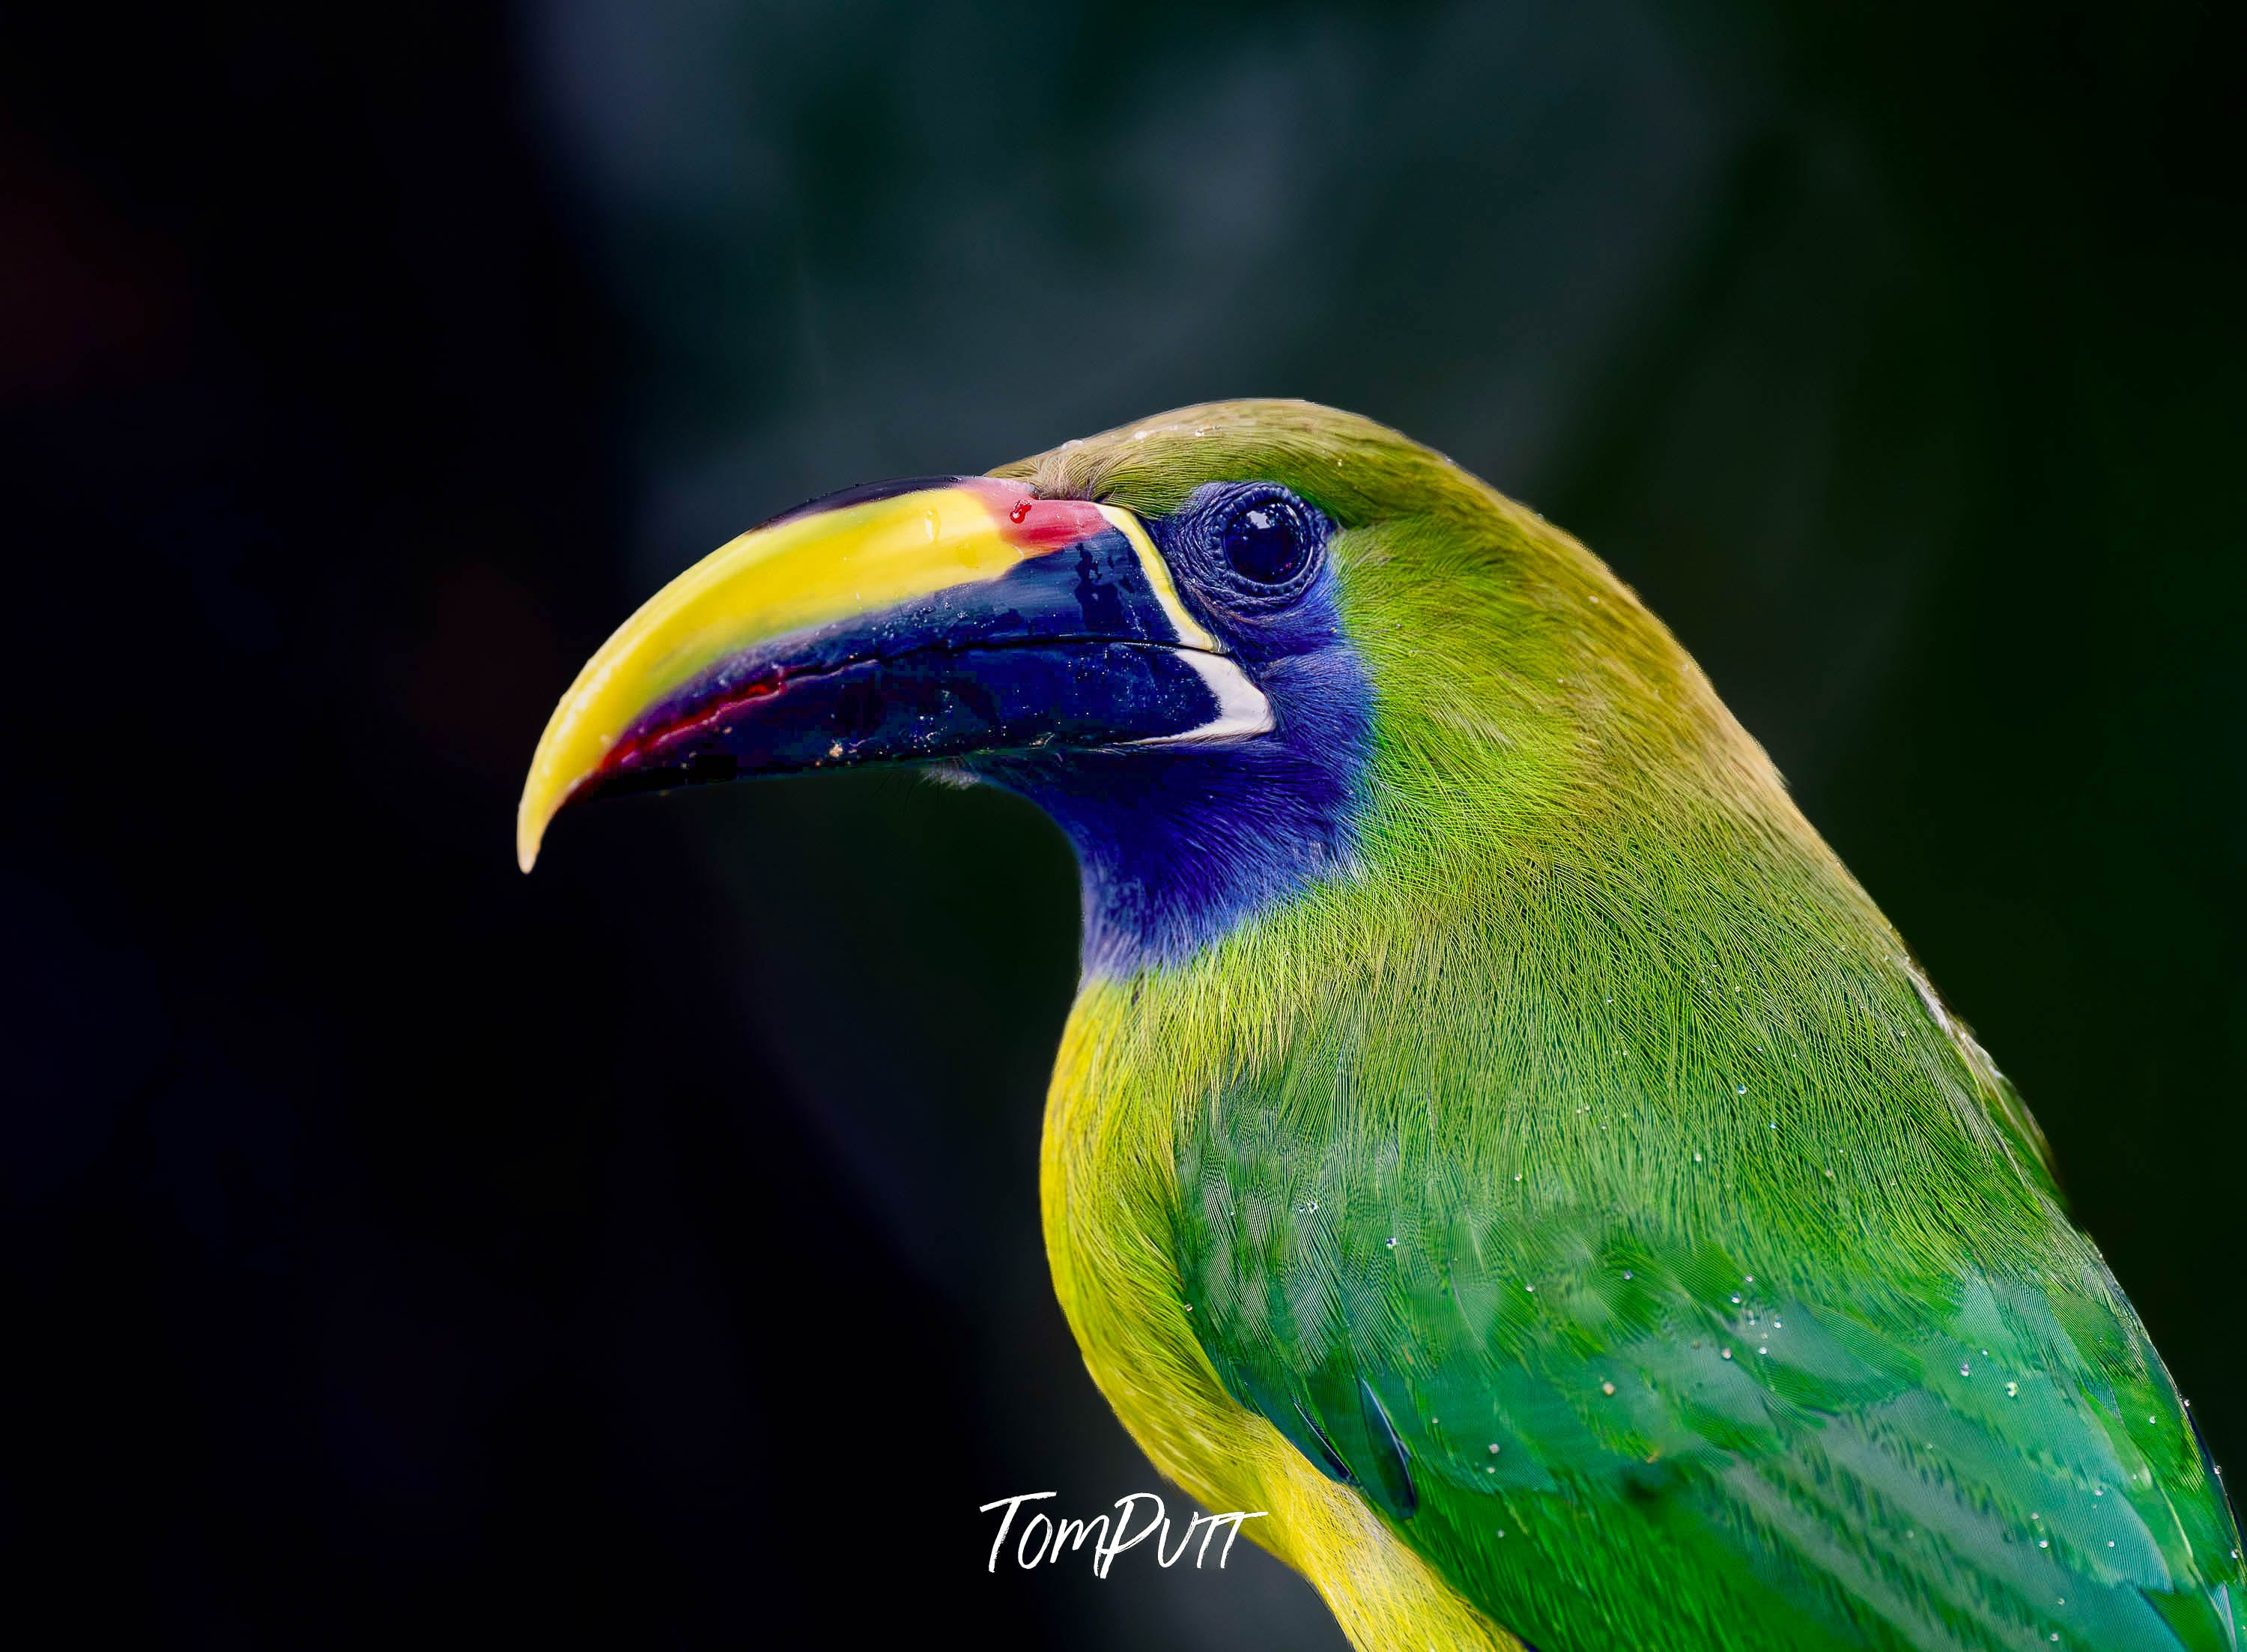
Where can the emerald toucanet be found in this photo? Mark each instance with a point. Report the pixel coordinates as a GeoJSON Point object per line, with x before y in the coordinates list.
{"type": "Point", "coordinates": [1494, 1134]}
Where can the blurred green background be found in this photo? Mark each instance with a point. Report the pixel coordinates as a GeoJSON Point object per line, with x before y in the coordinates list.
{"type": "Point", "coordinates": [650, 1250]}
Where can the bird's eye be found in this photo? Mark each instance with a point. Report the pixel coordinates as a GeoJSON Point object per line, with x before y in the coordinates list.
{"type": "Point", "coordinates": [1265, 543]}
{"type": "Point", "coordinates": [1250, 551]}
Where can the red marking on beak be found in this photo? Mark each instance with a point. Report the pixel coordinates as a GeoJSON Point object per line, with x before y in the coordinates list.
{"type": "Point", "coordinates": [1042, 525]}
{"type": "Point", "coordinates": [705, 716]}
{"type": "Point", "coordinates": [1036, 527]}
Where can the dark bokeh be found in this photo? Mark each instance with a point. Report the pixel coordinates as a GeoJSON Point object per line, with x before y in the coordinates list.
{"type": "Point", "coordinates": [647, 1251]}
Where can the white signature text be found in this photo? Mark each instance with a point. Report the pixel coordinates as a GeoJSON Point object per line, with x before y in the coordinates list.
{"type": "Point", "coordinates": [1043, 1539]}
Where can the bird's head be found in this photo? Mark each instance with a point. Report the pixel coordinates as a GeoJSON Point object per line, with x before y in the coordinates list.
{"type": "Point", "coordinates": [1238, 651]}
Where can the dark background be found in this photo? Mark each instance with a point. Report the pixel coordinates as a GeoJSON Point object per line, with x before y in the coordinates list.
{"type": "Point", "coordinates": [647, 1252]}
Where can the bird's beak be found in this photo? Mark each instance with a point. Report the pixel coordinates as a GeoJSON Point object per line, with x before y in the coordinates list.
{"type": "Point", "coordinates": [906, 622]}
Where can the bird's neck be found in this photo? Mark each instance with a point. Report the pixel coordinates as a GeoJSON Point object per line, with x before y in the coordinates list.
{"type": "Point", "coordinates": [1180, 846]}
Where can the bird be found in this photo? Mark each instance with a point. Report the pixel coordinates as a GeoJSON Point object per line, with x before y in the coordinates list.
{"type": "Point", "coordinates": [1494, 1137]}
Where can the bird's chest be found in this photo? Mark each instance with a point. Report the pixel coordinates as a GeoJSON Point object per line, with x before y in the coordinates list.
{"type": "Point", "coordinates": [1110, 1196]}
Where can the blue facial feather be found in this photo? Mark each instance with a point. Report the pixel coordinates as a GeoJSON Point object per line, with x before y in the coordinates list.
{"type": "Point", "coordinates": [1181, 842]}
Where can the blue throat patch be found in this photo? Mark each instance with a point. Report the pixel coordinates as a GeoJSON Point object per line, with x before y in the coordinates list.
{"type": "Point", "coordinates": [1179, 844]}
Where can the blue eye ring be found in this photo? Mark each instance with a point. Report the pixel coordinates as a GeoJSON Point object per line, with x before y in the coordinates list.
{"type": "Point", "coordinates": [1255, 547]}
{"type": "Point", "coordinates": [1244, 573]}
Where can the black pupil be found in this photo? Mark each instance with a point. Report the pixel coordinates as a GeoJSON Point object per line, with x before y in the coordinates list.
{"type": "Point", "coordinates": [1262, 544]}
